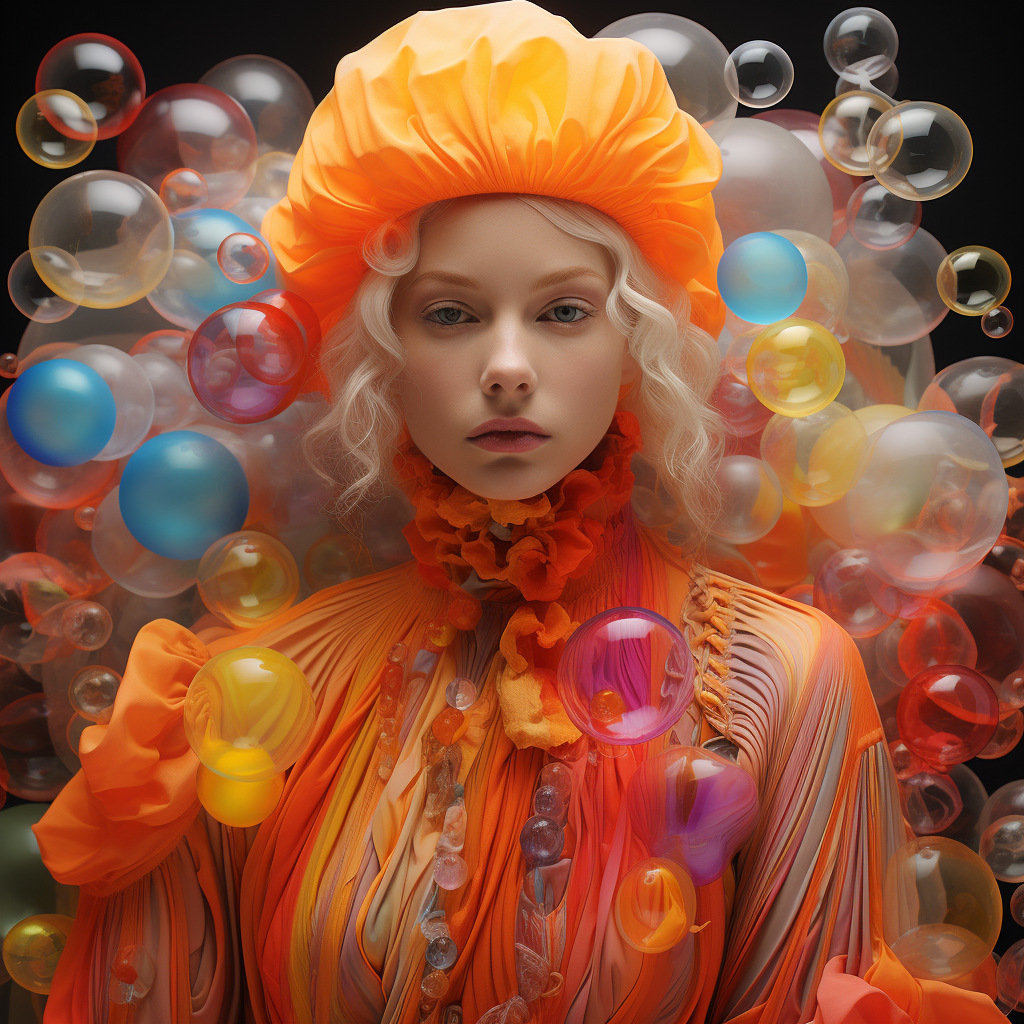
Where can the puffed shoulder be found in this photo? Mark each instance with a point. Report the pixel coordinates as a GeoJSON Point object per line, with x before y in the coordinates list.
{"type": "Point", "coordinates": [135, 796]}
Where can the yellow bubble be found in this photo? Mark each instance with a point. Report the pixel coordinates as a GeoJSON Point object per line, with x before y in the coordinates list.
{"type": "Point", "coordinates": [249, 713]}
{"type": "Point", "coordinates": [844, 128]}
{"type": "Point", "coordinates": [239, 804]}
{"type": "Point", "coordinates": [32, 948]}
{"type": "Point", "coordinates": [795, 367]}
{"type": "Point", "coordinates": [874, 417]}
{"type": "Point", "coordinates": [655, 905]}
{"type": "Point", "coordinates": [973, 279]}
{"type": "Point", "coordinates": [56, 128]}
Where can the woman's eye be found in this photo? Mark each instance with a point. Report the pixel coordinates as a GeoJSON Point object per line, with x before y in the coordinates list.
{"type": "Point", "coordinates": [443, 312]}
{"type": "Point", "coordinates": [449, 316]}
{"type": "Point", "coordinates": [565, 314]}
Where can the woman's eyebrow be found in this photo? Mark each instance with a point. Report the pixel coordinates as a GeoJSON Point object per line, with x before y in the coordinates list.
{"type": "Point", "coordinates": [558, 277]}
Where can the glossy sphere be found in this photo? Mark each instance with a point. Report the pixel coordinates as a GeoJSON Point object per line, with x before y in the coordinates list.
{"type": "Point", "coordinates": [249, 713]}
{"type": "Point", "coordinates": [930, 802]}
{"type": "Point", "coordinates": [930, 502]}
{"type": "Point", "coordinates": [174, 404]}
{"type": "Point", "coordinates": [460, 693]}
{"type": "Point", "coordinates": [441, 952]}
{"type": "Point", "coordinates": [61, 412]}
{"type": "Point", "coordinates": [86, 625]}
{"type": "Point", "coordinates": [828, 284]}
{"type": "Point", "coordinates": [989, 391]}
{"type": "Point", "coordinates": [56, 128]}
{"type": "Point", "coordinates": [1010, 977]}
{"type": "Point", "coordinates": [192, 126]}
{"type": "Point", "coordinates": [118, 231]}
{"type": "Point", "coordinates": [972, 280]}
{"type": "Point", "coordinates": [751, 499]}
{"type": "Point", "coordinates": [184, 189]}
{"type": "Point", "coordinates": [861, 40]}
{"type": "Point", "coordinates": [92, 692]}
{"type": "Point", "coordinates": [276, 99]}
{"type": "Point", "coordinates": [894, 298]}
{"type": "Point", "coordinates": [693, 59]}
{"type": "Point", "coordinates": [637, 657]}
{"type": "Point", "coordinates": [236, 803]}
{"type": "Point", "coordinates": [334, 559]}
{"type": "Point", "coordinates": [880, 219]}
{"type": "Point", "coordinates": [796, 367]}
{"type": "Point", "coordinates": [655, 905]}
{"type": "Point", "coordinates": [132, 975]}
{"type": "Point", "coordinates": [997, 323]}
{"type": "Point", "coordinates": [946, 714]}
{"type": "Point", "coordinates": [1002, 848]}
{"type": "Point", "coordinates": [919, 150]}
{"type": "Point", "coordinates": [103, 72]}
{"type": "Point", "coordinates": [541, 840]}
{"type": "Point", "coordinates": [1006, 800]}
{"type": "Point", "coordinates": [180, 492]}
{"type": "Point", "coordinates": [841, 591]}
{"type": "Point", "coordinates": [450, 871]}
{"type": "Point", "coordinates": [243, 257]}
{"type": "Point", "coordinates": [769, 180]}
{"type": "Point", "coordinates": [694, 807]}
{"type": "Point", "coordinates": [936, 636]}
{"type": "Point", "coordinates": [762, 277]}
{"type": "Point", "coordinates": [742, 413]}
{"type": "Point", "coordinates": [941, 908]}
{"type": "Point", "coordinates": [248, 578]}
{"type": "Point", "coordinates": [759, 73]}
{"type": "Point", "coordinates": [845, 127]}
{"type": "Point", "coordinates": [33, 296]}
{"type": "Point", "coordinates": [33, 947]}
{"type": "Point", "coordinates": [817, 457]}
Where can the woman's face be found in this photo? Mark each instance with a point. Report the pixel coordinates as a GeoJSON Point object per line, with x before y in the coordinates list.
{"type": "Point", "coordinates": [503, 318]}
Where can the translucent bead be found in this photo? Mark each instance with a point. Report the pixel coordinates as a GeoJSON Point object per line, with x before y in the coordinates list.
{"type": "Point", "coordinates": [85, 516]}
{"type": "Point", "coordinates": [435, 984]}
{"type": "Point", "coordinates": [1002, 848]}
{"type": "Point", "coordinates": [759, 73]}
{"type": "Point", "coordinates": [558, 775]}
{"type": "Point", "coordinates": [388, 730]}
{"type": "Point", "coordinates": [453, 834]}
{"type": "Point", "coordinates": [880, 219]}
{"type": "Point", "coordinates": [86, 625]}
{"type": "Point", "coordinates": [398, 653]}
{"type": "Point", "coordinates": [134, 971]}
{"type": "Point", "coordinates": [460, 693]}
{"type": "Point", "coordinates": [434, 926]}
{"type": "Point", "coordinates": [385, 767]}
{"type": "Point", "coordinates": [8, 365]}
{"type": "Point", "coordinates": [442, 952]}
{"type": "Point", "coordinates": [92, 692]}
{"type": "Point", "coordinates": [862, 41]}
{"type": "Point", "coordinates": [447, 725]}
{"type": "Point", "coordinates": [997, 323]}
{"type": "Point", "coordinates": [541, 840]}
{"type": "Point", "coordinates": [450, 871]}
{"type": "Point", "coordinates": [549, 802]}
{"type": "Point", "coordinates": [973, 279]}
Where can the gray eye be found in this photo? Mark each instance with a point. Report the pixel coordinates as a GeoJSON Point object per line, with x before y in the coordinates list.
{"type": "Point", "coordinates": [570, 310]}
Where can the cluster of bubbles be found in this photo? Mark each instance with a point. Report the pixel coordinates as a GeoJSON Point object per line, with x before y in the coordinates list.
{"type": "Point", "coordinates": [149, 467]}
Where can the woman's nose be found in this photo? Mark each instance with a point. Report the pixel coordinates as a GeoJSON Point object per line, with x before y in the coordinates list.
{"type": "Point", "coordinates": [508, 365]}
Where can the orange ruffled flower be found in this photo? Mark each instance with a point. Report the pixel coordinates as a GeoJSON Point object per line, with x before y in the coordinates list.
{"type": "Point", "coordinates": [535, 545]}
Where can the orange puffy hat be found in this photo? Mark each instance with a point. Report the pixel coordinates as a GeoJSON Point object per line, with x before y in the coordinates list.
{"type": "Point", "coordinates": [502, 97]}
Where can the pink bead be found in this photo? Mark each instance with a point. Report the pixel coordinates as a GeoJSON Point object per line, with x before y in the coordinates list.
{"type": "Point", "coordinates": [450, 871]}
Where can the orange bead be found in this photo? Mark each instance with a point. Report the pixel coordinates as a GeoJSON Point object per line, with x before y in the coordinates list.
{"type": "Point", "coordinates": [391, 681]}
{"type": "Point", "coordinates": [447, 725]}
{"type": "Point", "coordinates": [607, 706]}
{"type": "Point", "coordinates": [387, 704]}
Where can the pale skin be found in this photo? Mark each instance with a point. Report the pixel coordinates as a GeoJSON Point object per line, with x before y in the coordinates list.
{"type": "Point", "coordinates": [503, 343]}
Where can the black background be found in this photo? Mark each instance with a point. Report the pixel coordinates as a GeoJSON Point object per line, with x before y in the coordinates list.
{"type": "Point", "coordinates": [963, 63]}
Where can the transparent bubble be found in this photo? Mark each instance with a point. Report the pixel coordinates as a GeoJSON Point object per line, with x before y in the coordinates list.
{"type": "Point", "coordinates": [133, 973]}
{"type": "Point", "coordinates": [885, 84]}
{"type": "Point", "coordinates": [751, 499]}
{"type": "Point", "coordinates": [741, 412]}
{"type": "Point", "coordinates": [655, 905]}
{"type": "Point", "coordinates": [694, 61]}
{"type": "Point", "coordinates": [894, 298]}
{"type": "Point", "coordinates": [1002, 848]}
{"type": "Point", "coordinates": [86, 625]}
{"type": "Point", "coordinates": [33, 296]}
{"type": "Point", "coordinates": [33, 947]}
{"type": "Point", "coordinates": [919, 150]}
{"type": "Point", "coordinates": [272, 171]}
{"type": "Point", "coordinates": [795, 367]}
{"type": "Point", "coordinates": [841, 591]}
{"type": "Point", "coordinates": [118, 231]}
{"type": "Point", "coordinates": [1017, 905]}
{"type": "Point", "coordinates": [174, 404]}
{"type": "Point", "coordinates": [759, 73]}
{"type": "Point", "coordinates": [103, 72]}
{"type": "Point", "coordinates": [861, 41]}
{"type": "Point", "coordinates": [973, 279]}
{"type": "Point", "coordinates": [828, 284]}
{"type": "Point", "coordinates": [56, 128]}
{"type": "Point", "coordinates": [92, 692]}
{"type": "Point", "coordinates": [182, 190]}
{"type": "Point", "coordinates": [243, 257]}
{"type": "Point", "coordinates": [989, 391]}
{"type": "Point", "coordinates": [997, 323]}
{"type": "Point", "coordinates": [845, 127]}
{"type": "Point", "coordinates": [880, 219]}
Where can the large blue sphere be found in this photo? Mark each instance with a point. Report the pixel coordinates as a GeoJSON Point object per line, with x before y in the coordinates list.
{"type": "Point", "coordinates": [180, 492]}
{"type": "Point", "coordinates": [61, 412]}
{"type": "Point", "coordinates": [762, 277]}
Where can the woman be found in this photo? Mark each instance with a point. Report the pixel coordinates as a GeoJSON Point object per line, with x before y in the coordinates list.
{"type": "Point", "coordinates": [504, 221]}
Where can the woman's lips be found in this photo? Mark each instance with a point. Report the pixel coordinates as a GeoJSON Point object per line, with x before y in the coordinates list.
{"type": "Point", "coordinates": [509, 441]}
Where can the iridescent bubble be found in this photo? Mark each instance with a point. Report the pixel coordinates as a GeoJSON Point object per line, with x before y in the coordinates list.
{"type": "Point", "coordinates": [759, 73]}
{"type": "Point", "coordinates": [243, 257]}
{"type": "Point", "coordinates": [997, 323]}
{"type": "Point", "coordinates": [751, 499]}
{"type": "Point", "coordinates": [861, 40]}
{"type": "Point", "coordinates": [33, 296]}
{"type": "Point", "coordinates": [184, 189]}
{"type": "Point", "coordinates": [56, 129]}
{"type": "Point", "coordinates": [919, 150]}
{"type": "Point", "coordinates": [880, 219]}
{"type": "Point", "coordinates": [845, 127]}
{"type": "Point", "coordinates": [973, 279]}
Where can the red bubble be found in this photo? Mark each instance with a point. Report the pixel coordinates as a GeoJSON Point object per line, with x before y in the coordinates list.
{"type": "Point", "coordinates": [936, 636]}
{"type": "Point", "coordinates": [741, 411]}
{"type": "Point", "coordinates": [840, 591]}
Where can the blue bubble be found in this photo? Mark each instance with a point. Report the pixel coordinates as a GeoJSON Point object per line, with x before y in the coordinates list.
{"type": "Point", "coordinates": [180, 492]}
{"type": "Point", "coordinates": [61, 412]}
{"type": "Point", "coordinates": [762, 277]}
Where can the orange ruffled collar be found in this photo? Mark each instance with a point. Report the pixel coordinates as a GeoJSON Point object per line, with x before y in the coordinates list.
{"type": "Point", "coordinates": [536, 545]}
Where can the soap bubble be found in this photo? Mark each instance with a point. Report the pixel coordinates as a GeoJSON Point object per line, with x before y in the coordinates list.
{"type": "Point", "coordinates": [759, 73]}
{"type": "Point", "coordinates": [248, 578]}
{"type": "Point", "coordinates": [240, 804]}
{"type": "Point", "coordinates": [941, 908]}
{"type": "Point", "coordinates": [693, 60]}
{"type": "Point", "coordinates": [56, 129]}
{"type": "Point", "coordinates": [795, 367]}
{"type": "Point", "coordinates": [182, 190]}
{"type": "Point", "coordinates": [762, 277]}
{"type": "Point", "coordinates": [972, 280]}
{"type": "Point", "coordinates": [34, 297]}
{"type": "Point", "coordinates": [841, 591]}
{"type": "Point", "coordinates": [272, 172]}
{"type": "Point", "coordinates": [249, 714]}
{"type": "Point", "coordinates": [751, 499]}
{"type": "Point", "coordinates": [118, 231]}
{"type": "Point", "coordinates": [845, 127]}
{"type": "Point", "coordinates": [625, 676]}
{"type": "Point", "coordinates": [278, 102]}
{"type": "Point", "coordinates": [936, 635]}
{"type": "Point", "coordinates": [769, 180]}
{"type": "Point", "coordinates": [997, 323]}
{"type": "Point", "coordinates": [828, 284]}
{"type": "Point", "coordinates": [1006, 737]}
{"type": "Point", "coordinates": [885, 83]}
{"type": "Point", "coordinates": [243, 257]}
{"type": "Point", "coordinates": [133, 973]}
{"type": "Point", "coordinates": [655, 905]}
{"type": "Point", "coordinates": [989, 391]}
{"type": "Point", "coordinates": [32, 948]}
{"type": "Point", "coordinates": [86, 625]}
{"type": "Point", "coordinates": [1002, 848]}
{"type": "Point", "coordinates": [92, 692]}
{"type": "Point", "coordinates": [930, 802]}
{"type": "Point", "coordinates": [919, 150]}
{"type": "Point", "coordinates": [1010, 978]}
{"type": "Point", "coordinates": [196, 126]}
{"type": "Point", "coordinates": [861, 41]}
{"type": "Point", "coordinates": [742, 414]}
{"type": "Point", "coordinates": [894, 298]}
{"type": "Point", "coordinates": [174, 404]}
{"type": "Point", "coordinates": [103, 72]}
{"type": "Point", "coordinates": [880, 219]}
